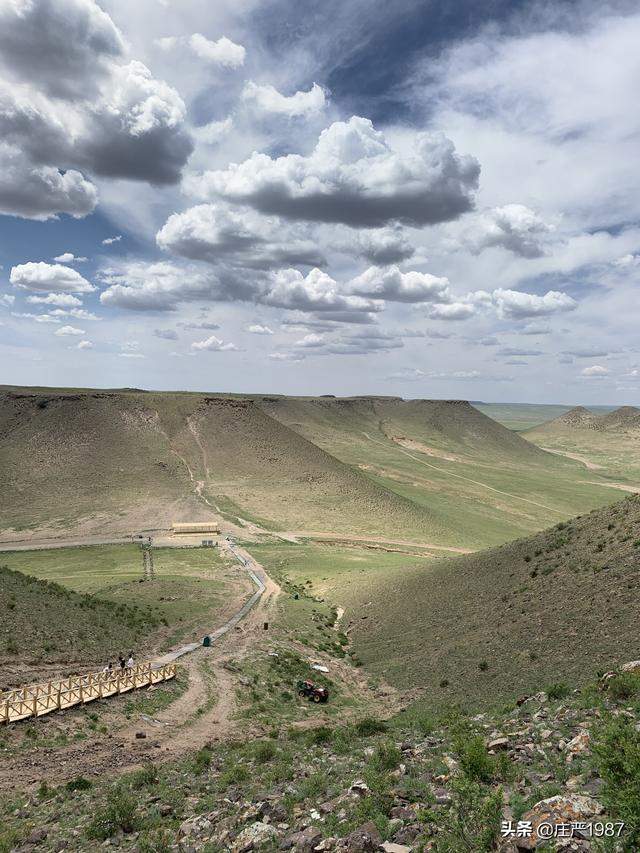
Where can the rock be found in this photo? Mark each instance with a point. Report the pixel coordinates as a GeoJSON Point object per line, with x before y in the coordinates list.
{"type": "Point", "coordinates": [498, 743]}
{"type": "Point", "coordinates": [166, 809]}
{"type": "Point", "coordinates": [141, 735]}
{"type": "Point", "coordinates": [451, 764]}
{"type": "Point", "coordinates": [402, 812]}
{"type": "Point", "coordinates": [442, 796]}
{"type": "Point", "coordinates": [632, 666]}
{"type": "Point", "coordinates": [304, 841]}
{"type": "Point", "coordinates": [196, 827]}
{"type": "Point", "coordinates": [253, 836]}
{"type": "Point", "coordinates": [359, 787]}
{"type": "Point", "coordinates": [36, 837]}
{"type": "Point", "coordinates": [390, 847]}
{"type": "Point", "coordinates": [365, 839]}
{"type": "Point", "coordinates": [580, 743]}
{"type": "Point", "coordinates": [558, 809]}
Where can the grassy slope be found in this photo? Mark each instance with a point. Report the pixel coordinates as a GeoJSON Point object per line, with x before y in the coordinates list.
{"type": "Point", "coordinates": [557, 605]}
{"type": "Point", "coordinates": [42, 620]}
{"type": "Point", "coordinates": [113, 462]}
{"type": "Point", "coordinates": [454, 459]}
{"type": "Point", "coordinates": [610, 440]}
{"type": "Point", "coordinates": [192, 589]}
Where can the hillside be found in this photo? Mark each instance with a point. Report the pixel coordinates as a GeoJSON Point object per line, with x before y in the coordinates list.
{"type": "Point", "coordinates": [557, 606]}
{"type": "Point", "coordinates": [45, 622]}
{"type": "Point", "coordinates": [104, 462]}
{"type": "Point", "coordinates": [580, 418]}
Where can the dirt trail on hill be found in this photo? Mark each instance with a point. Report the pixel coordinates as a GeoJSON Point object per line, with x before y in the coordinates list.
{"type": "Point", "coordinates": [591, 466]}
{"type": "Point", "coordinates": [468, 479]}
{"type": "Point", "coordinates": [202, 714]}
{"type": "Point", "coordinates": [292, 535]}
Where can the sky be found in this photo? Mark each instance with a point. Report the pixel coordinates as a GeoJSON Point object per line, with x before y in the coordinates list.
{"type": "Point", "coordinates": [415, 199]}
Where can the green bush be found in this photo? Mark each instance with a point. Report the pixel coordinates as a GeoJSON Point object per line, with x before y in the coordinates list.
{"type": "Point", "coordinates": [475, 762]}
{"type": "Point", "coordinates": [616, 751]}
{"type": "Point", "coordinates": [557, 690]}
{"type": "Point", "coordinates": [472, 822]}
{"type": "Point", "coordinates": [147, 775]}
{"type": "Point", "coordinates": [78, 784]}
{"type": "Point", "coordinates": [118, 814]}
{"type": "Point", "coordinates": [264, 751]}
{"type": "Point", "coordinates": [370, 726]}
{"type": "Point", "coordinates": [387, 756]}
{"type": "Point", "coordinates": [623, 686]}
{"type": "Point", "coordinates": [202, 760]}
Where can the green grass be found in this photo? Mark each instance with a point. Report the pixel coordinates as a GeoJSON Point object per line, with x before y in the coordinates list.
{"type": "Point", "coordinates": [91, 602]}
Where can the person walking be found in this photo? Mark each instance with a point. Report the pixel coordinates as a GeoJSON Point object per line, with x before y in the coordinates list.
{"type": "Point", "coordinates": [130, 663]}
{"type": "Point", "coordinates": [122, 661]}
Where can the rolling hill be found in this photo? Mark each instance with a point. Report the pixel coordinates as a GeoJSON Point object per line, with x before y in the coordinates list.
{"type": "Point", "coordinates": [105, 462]}
{"type": "Point", "coordinates": [556, 606]}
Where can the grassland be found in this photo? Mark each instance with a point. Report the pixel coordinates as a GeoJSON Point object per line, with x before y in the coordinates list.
{"type": "Point", "coordinates": [559, 605]}
{"type": "Point", "coordinates": [90, 602]}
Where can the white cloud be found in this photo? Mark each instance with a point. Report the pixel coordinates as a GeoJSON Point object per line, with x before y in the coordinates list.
{"type": "Point", "coordinates": [217, 233]}
{"type": "Point", "coordinates": [512, 304]}
{"type": "Point", "coordinates": [267, 99]}
{"type": "Point", "coordinates": [166, 334]}
{"type": "Point", "coordinates": [380, 246]}
{"type": "Point", "coordinates": [451, 311]}
{"type": "Point", "coordinates": [154, 287]}
{"type": "Point", "coordinates": [84, 345]}
{"type": "Point", "coordinates": [69, 258]}
{"type": "Point", "coordinates": [514, 227]}
{"type": "Point", "coordinates": [395, 286]}
{"type": "Point", "coordinates": [49, 277]}
{"type": "Point", "coordinates": [41, 192]}
{"type": "Point", "coordinates": [7, 299]}
{"type": "Point", "coordinates": [38, 318]}
{"type": "Point", "coordinates": [627, 262]}
{"type": "Point", "coordinates": [77, 313]}
{"type": "Point", "coordinates": [595, 371]}
{"type": "Point", "coordinates": [213, 344]}
{"type": "Point", "coordinates": [352, 176]}
{"type": "Point", "coordinates": [258, 329]}
{"type": "Point", "coordinates": [222, 52]}
{"type": "Point", "coordinates": [316, 292]}
{"type": "Point", "coordinates": [65, 331]}
{"type": "Point", "coordinates": [63, 300]}
{"type": "Point", "coordinates": [214, 132]}
{"type": "Point", "coordinates": [109, 241]}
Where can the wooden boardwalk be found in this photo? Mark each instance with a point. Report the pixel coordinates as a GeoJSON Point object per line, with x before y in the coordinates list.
{"type": "Point", "coordinates": [36, 700]}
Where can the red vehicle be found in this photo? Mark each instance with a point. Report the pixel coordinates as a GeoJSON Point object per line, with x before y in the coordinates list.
{"type": "Point", "coordinates": [312, 692]}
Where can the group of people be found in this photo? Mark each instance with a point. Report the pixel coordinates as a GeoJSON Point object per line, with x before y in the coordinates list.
{"type": "Point", "coordinates": [127, 663]}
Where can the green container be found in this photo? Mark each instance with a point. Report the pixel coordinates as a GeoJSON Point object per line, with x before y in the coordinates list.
{"type": "Point", "coordinates": [207, 641]}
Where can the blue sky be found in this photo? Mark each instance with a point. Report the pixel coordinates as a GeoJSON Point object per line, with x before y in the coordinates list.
{"type": "Point", "coordinates": [420, 199]}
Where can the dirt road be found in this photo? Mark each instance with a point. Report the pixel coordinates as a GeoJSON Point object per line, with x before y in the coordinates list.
{"type": "Point", "coordinates": [204, 712]}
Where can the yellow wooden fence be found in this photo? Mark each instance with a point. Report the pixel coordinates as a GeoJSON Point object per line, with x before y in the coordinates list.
{"type": "Point", "coordinates": [39, 699]}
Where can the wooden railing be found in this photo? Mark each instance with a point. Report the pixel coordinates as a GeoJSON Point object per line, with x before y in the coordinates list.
{"type": "Point", "coordinates": [39, 699]}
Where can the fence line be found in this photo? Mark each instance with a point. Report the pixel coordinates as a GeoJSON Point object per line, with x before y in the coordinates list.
{"type": "Point", "coordinates": [39, 699]}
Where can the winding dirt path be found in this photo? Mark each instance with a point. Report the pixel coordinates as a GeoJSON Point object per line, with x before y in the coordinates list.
{"type": "Point", "coordinates": [202, 714]}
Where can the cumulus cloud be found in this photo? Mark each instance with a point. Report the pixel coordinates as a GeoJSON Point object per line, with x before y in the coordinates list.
{"type": "Point", "coordinates": [395, 286]}
{"type": "Point", "coordinates": [222, 52]}
{"type": "Point", "coordinates": [595, 371]}
{"type": "Point", "coordinates": [513, 304]}
{"type": "Point", "coordinates": [217, 233]}
{"type": "Point", "coordinates": [84, 345]}
{"type": "Point", "coordinates": [213, 344]}
{"type": "Point", "coordinates": [518, 351]}
{"type": "Point", "coordinates": [71, 104]}
{"type": "Point", "coordinates": [62, 300]}
{"type": "Point", "coordinates": [451, 311]}
{"type": "Point", "coordinates": [65, 331]}
{"type": "Point", "coordinates": [7, 299]}
{"type": "Point", "coordinates": [214, 132]}
{"type": "Point", "coordinates": [266, 99]}
{"type": "Point", "coordinates": [109, 241]}
{"type": "Point", "coordinates": [68, 258]}
{"type": "Point", "coordinates": [41, 192]}
{"type": "Point", "coordinates": [166, 334]}
{"type": "Point", "coordinates": [38, 318]}
{"type": "Point", "coordinates": [64, 47]}
{"type": "Point", "coordinates": [154, 287]}
{"type": "Point", "coordinates": [514, 227]}
{"type": "Point", "coordinates": [380, 246]}
{"type": "Point", "coordinates": [258, 329]}
{"type": "Point", "coordinates": [627, 262]}
{"type": "Point", "coordinates": [49, 277]}
{"type": "Point", "coordinates": [316, 292]}
{"type": "Point", "coordinates": [353, 176]}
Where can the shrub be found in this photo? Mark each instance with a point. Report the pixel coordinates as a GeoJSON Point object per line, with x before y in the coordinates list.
{"type": "Point", "coordinates": [370, 726]}
{"type": "Point", "coordinates": [558, 690]}
{"type": "Point", "coordinates": [202, 759]}
{"type": "Point", "coordinates": [118, 814]}
{"type": "Point", "coordinates": [78, 784]}
{"type": "Point", "coordinates": [264, 751]}
{"type": "Point", "coordinates": [475, 762]}
{"type": "Point", "coordinates": [471, 824]}
{"type": "Point", "coordinates": [616, 751]}
{"type": "Point", "coordinates": [623, 686]}
{"type": "Point", "coordinates": [483, 666]}
{"type": "Point", "coordinates": [147, 775]}
{"type": "Point", "coordinates": [387, 756]}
